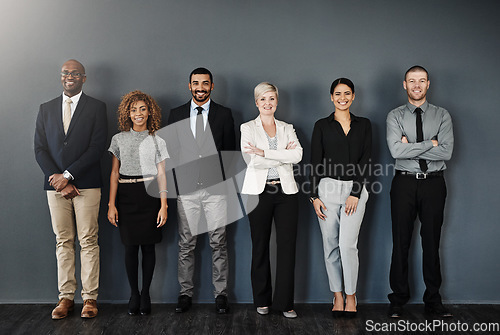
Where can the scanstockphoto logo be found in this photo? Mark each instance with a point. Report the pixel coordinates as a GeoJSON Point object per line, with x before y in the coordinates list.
{"type": "Point", "coordinates": [197, 173]}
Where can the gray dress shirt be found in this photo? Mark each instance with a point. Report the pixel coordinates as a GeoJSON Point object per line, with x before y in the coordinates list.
{"type": "Point", "coordinates": [436, 125]}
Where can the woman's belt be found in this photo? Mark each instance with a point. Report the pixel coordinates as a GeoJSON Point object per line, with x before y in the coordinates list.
{"type": "Point", "coordinates": [134, 180]}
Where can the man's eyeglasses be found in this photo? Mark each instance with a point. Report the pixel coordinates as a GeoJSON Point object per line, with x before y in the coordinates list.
{"type": "Point", "coordinates": [73, 74]}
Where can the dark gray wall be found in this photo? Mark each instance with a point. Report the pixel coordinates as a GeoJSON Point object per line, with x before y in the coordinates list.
{"type": "Point", "coordinates": [301, 46]}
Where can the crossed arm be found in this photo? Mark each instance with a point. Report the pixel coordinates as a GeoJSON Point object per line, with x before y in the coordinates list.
{"type": "Point", "coordinates": [266, 158]}
{"type": "Point", "coordinates": [436, 149]}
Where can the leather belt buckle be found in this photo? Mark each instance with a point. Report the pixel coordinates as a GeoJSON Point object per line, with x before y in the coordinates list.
{"type": "Point", "coordinates": [421, 175]}
{"type": "Point", "coordinates": [274, 182]}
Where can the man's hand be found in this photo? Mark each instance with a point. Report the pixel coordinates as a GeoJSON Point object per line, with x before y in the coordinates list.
{"type": "Point", "coordinates": [70, 191]}
{"type": "Point", "coordinates": [58, 182]}
{"type": "Point", "coordinates": [405, 140]}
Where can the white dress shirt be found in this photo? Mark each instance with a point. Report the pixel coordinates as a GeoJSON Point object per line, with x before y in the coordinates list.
{"type": "Point", "coordinates": [194, 113]}
{"type": "Point", "coordinates": [74, 102]}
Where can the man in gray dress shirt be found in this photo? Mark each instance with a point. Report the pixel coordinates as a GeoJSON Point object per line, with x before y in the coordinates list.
{"type": "Point", "coordinates": [420, 138]}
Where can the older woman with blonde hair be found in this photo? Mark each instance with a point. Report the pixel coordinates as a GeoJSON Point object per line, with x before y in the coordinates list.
{"type": "Point", "coordinates": [270, 148]}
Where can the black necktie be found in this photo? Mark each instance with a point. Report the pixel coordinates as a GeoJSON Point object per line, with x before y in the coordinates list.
{"type": "Point", "coordinates": [199, 126]}
{"type": "Point", "coordinates": [420, 137]}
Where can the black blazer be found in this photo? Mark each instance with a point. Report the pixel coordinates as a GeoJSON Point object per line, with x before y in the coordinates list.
{"type": "Point", "coordinates": [80, 150]}
{"type": "Point", "coordinates": [199, 167]}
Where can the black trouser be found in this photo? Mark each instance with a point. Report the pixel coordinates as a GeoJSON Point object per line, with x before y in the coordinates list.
{"type": "Point", "coordinates": [409, 197]}
{"type": "Point", "coordinates": [273, 203]}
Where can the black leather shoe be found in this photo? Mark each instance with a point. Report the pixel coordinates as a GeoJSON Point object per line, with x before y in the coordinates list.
{"type": "Point", "coordinates": [145, 304]}
{"type": "Point", "coordinates": [437, 310]}
{"type": "Point", "coordinates": [395, 311]}
{"type": "Point", "coordinates": [183, 304]}
{"type": "Point", "coordinates": [221, 305]}
{"type": "Point", "coordinates": [134, 304]}
{"type": "Point", "coordinates": [337, 314]}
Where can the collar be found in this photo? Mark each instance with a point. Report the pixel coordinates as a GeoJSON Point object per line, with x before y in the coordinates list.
{"type": "Point", "coordinates": [205, 106]}
{"type": "Point", "coordinates": [74, 98]}
{"type": "Point", "coordinates": [412, 108]}
{"type": "Point", "coordinates": [354, 118]}
{"type": "Point", "coordinates": [258, 121]}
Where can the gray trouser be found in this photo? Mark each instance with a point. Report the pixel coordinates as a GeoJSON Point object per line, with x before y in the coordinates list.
{"type": "Point", "coordinates": [215, 210]}
{"type": "Point", "coordinates": [340, 233]}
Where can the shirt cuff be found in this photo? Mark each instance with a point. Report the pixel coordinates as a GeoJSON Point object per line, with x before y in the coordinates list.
{"type": "Point", "coordinates": [70, 175]}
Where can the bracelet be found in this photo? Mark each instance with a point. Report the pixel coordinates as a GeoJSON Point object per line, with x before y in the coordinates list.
{"type": "Point", "coordinates": [311, 199]}
{"type": "Point", "coordinates": [163, 191]}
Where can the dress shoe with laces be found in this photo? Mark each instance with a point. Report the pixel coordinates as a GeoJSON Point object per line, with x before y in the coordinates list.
{"type": "Point", "coordinates": [63, 307]}
{"type": "Point", "coordinates": [183, 303]}
{"type": "Point", "coordinates": [221, 305]}
{"type": "Point", "coordinates": [437, 310]}
{"type": "Point", "coordinates": [89, 309]}
{"type": "Point", "coordinates": [395, 311]}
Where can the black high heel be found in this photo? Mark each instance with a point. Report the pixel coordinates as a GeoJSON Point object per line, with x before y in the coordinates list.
{"type": "Point", "coordinates": [352, 314]}
{"type": "Point", "coordinates": [337, 314]}
{"type": "Point", "coordinates": [145, 304]}
{"type": "Point", "coordinates": [133, 304]}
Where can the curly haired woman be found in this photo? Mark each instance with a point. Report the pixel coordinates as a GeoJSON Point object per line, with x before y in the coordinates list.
{"type": "Point", "coordinates": [136, 206]}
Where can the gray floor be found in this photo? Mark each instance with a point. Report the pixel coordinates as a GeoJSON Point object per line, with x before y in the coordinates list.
{"type": "Point", "coordinates": [201, 319]}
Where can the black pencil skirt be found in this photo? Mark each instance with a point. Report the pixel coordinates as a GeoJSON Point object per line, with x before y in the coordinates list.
{"type": "Point", "coordinates": [138, 212]}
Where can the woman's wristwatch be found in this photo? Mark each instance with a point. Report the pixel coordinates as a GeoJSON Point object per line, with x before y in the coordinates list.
{"type": "Point", "coordinates": [311, 199]}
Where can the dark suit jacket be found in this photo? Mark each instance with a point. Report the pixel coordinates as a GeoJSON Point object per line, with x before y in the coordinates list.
{"type": "Point", "coordinates": [80, 150]}
{"type": "Point", "coordinates": [199, 167]}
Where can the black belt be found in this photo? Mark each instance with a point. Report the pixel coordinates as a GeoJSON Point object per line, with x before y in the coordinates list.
{"type": "Point", "coordinates": [420, 175]}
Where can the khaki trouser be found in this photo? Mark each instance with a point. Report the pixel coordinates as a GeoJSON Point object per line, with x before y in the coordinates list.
{"type": "Point", "coordinates": [70, 217]}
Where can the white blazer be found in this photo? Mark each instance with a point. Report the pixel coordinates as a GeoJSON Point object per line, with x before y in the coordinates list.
{"type": "Point", "coordinates": [281, 159]}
